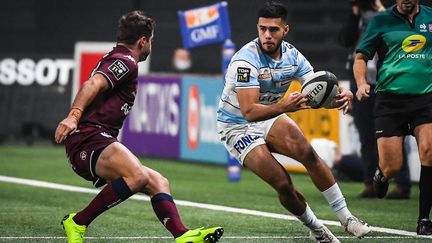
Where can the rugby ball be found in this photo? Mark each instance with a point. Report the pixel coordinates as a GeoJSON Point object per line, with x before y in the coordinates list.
{"type": "Point", "coordinates": [321, 89]}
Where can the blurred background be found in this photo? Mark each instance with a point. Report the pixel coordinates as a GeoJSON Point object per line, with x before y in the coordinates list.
{"type": "Point", "coordinates": [44, 32]}
{"type": "Point", "coordinates": [39, 70]}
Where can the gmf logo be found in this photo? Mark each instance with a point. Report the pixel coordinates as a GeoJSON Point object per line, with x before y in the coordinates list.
{"type": "Point", "coordinates": [413, 43]}
{"type": "Point", "coordinates": [193, 117]}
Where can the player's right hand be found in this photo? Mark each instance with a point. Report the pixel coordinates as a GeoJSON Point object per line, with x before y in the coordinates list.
{"type": "Point", "coordinates": [64, 128]}
{"type": "Point", "coordinates": [363, 92]}
{"type": "Point", "coordinates": [294, 102]}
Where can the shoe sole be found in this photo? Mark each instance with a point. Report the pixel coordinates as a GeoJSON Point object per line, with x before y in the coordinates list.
{"type": "Point", "coordinates": [64, 218]}
{"type": "Point", "coordinates": [362, 236]}
{"type": "Point", "coordinates": [215, 236]}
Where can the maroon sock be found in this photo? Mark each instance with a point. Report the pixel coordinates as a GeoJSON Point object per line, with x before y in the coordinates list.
{"type": "Point", "coordinates": [113, 193]}
{"type": "Point", "coordinates": [166, 210]}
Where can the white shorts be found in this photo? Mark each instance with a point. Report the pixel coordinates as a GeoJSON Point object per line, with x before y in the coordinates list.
{"type": "Point", "coordinates": [240, 139]}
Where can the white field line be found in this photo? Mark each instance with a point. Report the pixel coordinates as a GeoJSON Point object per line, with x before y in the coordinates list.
{"type": "Point", "coordinates": [62, 187]}
{"type": "Point", "coordinates": [170, 238]}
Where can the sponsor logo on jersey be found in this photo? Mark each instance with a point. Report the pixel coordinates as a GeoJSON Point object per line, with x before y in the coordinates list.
{"type": "Point", "coordinates": [243, 74]}
{"type": "Point", "coordinates": [423, 28]}
{"type": "Point", "coordinates": [270, 98]}
{"type": "Point", "coordinates": [118, 69]}
{"type": "Point", "coordinates": [244, 142]}
{"type": "Point", "coordinates": [265, 74]}
{"type": "Point", "coordinates": [413, 43]}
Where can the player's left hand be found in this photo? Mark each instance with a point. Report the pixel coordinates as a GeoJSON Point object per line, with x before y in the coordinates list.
{"type": "Point", "coordinates": [343, 100]}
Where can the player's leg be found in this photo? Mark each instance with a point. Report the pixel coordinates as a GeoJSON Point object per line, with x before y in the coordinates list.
{"type": "Point", "coordinates": [286, 138]}
{"type": "Point", "coordinates": [390, 131]}
{"type": "Point", "coordinates": [127, 176]}
{"type": "Point", "coordinates": [423, 134]}
{"type": "Point", "coordinates": [363, 112]}
{"type": "Point", "coordinates": [261, 162]}
{"type": "Point", "coordinates": [118, 162]}
{"type": "Point", "coordinates": [247, 144]}
{"type": "Point", "coordinates": [390, 162]}
{"type": "Point", "coordinates": [390, 154]}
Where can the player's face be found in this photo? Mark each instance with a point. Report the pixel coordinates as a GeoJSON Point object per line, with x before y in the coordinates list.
{"type": "Point", "coordinates": [407, 7]}
{"type": "Point", "coordinates": [146, 48]}
{"type": "Point", "coordinates": [271, 31]}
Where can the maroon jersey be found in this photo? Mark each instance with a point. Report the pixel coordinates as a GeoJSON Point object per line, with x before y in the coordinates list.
{"type": "Point", "coordinates": [109, 109]}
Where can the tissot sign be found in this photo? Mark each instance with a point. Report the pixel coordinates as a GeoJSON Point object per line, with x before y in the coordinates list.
{"type": "Point", "coordinates": [34, 94]}
{"type": "Point", "coordinates": [28, 71]}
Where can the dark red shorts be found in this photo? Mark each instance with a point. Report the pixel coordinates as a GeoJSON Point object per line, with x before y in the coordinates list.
{"type": "Point", "coordinates": [83, 149]}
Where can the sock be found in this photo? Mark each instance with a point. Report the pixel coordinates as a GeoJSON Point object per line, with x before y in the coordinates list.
{"type": "Point", "coordinates": [166, 211]}
{"type": "Point", "coordinates": [334, 197]}
{"type": "Point", "coordinates": [113, 193]}
{"type": "Point", "coordinates": [381, 175]}
{"type": "Point", "coordinates": [309, 219]}
{"type": "Point", "coordinates": [425, 186]}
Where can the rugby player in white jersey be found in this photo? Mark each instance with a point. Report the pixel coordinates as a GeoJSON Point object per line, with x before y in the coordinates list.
{"type": "Point", "coordinates": [252, 122]}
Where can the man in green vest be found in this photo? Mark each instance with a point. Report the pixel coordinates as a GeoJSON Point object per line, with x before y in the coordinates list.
{"type": "Point", "coordinates": [402, 38]}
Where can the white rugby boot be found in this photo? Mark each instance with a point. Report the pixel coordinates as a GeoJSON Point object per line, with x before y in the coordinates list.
{"type": "Point", "coordinates": [323, 235]}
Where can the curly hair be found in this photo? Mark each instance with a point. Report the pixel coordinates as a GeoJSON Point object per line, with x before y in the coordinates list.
{"type": "Point", "coordinates": [133, 26]}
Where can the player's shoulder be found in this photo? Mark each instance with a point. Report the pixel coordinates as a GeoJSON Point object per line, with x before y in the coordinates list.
{"type": "Point", "coordinates": [385, 17]}
{"type": "Point", "coordinates": [248, 53]}
{"type": "Point", "coordinates": [426, 9]}
{"type": "Point", "coordinates": [289, 52]}
{"type": "Point", "coordinates": [122, 55]}
{"type": "Point", "coordinates": [288, 48]}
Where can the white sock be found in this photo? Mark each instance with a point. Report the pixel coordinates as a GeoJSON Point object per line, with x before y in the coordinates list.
{"type": "Point", "coordinates": [334, 197]}
{"type": "Point", "coordinates": [309, 219]}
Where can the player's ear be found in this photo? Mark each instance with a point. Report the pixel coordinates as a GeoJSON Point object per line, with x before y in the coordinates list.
{"type": "Point", "coordinates": [286, 30]}
{"type": "Point", "coordinates": [142, 41]}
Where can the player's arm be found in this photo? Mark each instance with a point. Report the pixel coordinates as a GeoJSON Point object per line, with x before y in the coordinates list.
{"type": "Point", "coordinates": [253, 111]}
{"type": "Point", "coordinates": [90, 89]}
{"type": "Point", "coordinates": [360, 69]}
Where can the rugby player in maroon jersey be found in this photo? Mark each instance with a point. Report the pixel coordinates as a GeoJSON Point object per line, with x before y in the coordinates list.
{"type": "Point", "coordinates": [90, 134]}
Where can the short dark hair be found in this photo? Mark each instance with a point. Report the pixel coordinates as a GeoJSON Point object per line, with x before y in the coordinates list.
{"type": "Point", "coordinates": [133, 26]}
{"type": "Point", "coordinates": [273, 9]}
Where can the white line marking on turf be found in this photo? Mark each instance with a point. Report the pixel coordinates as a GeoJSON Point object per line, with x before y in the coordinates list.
{"type": "Point", "coordinates": [169, 237]}
{"type": "Point", "coordinates": [56, 186]}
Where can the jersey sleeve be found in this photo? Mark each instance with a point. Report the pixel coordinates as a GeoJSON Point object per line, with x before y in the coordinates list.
{"type": "Point", "coordinates": [370, 40]}
{"type": "Point", "coordinates": [304, 68]}
{"type": "Point", "coordinates": [244, 74]}
{"type": "Point", "coordinates": [116, 70]}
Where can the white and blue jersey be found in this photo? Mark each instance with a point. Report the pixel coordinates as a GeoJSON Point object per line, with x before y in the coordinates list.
{"type": "Point", "coordinates": [251, 68]}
